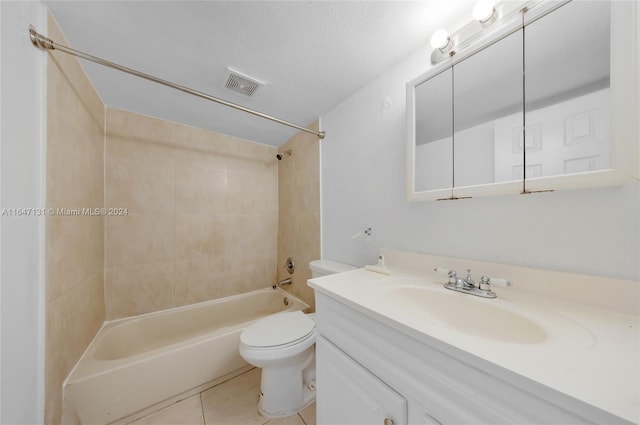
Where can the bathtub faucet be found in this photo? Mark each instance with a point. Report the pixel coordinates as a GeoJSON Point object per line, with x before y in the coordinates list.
{"type": "Point", "coordinates": [286, 281]}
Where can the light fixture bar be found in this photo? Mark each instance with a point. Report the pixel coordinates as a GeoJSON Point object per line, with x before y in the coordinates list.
{"type": "Point", "coordinates": [502, 12]}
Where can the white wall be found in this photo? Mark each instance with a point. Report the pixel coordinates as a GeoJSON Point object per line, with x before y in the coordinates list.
{"type": "Point", "coordinates": [21, 186]}
{"type": "Point", "coordinates": [594, 231]}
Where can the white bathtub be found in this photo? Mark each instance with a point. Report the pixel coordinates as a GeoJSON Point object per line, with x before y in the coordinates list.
{"type": "Point", "coordinates": [139, 362]}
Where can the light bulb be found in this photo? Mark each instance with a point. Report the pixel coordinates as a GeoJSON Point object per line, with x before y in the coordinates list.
{"type": "Point", "coordinates": [440, 39]}
{"type": "Point", "coordinates": [484, 10]}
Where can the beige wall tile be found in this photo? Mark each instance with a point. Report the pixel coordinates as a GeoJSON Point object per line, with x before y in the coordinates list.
{"type": "Point", "coordinates": [246, 156]}
{"type": "Point", "coordinates": [140, 187]}
{"type": "Point", "coordinates": [74, 147]}
{"type": "Point", "coordinates": [307, 190]}
{"type": "Point", "coordinates": [140, 288]}
{"type": "Point", "coordinates": [299, 210]}
{"type": "Point", "coordinates": [140, 239]}
{"type": "Point", "coordinates": [74, 74]}
{"type": "Point", "coordinates": [74, 247]}
{"type": "Point", "coordinates": [72, 320]}
{"type": "Point", "coordinates": [307, 228]}
{"type": "Point", "coordinates": [74, 250]}
{"type": "Point", "coordinates": [200, 236]}
{"type": "Point", "coordinates": [201, 148]}
{"type": "Point", "coordinates": [142, 151]}
{"type": "Point", "coordinates": [265, 232]}
{"type": "Point", "coordinates": [253, 192]}
{"type": "Point", "coordinates": [200, 190]}
{"type": "Point", "coordinates": [249, 273]}
{"type": "Point", "coordinates": [200, 280]}
{"type": "Point", "coordinates": [140, 128]}
{"type": "Point", "coordinates": [220, 228]}
{"type": "Point", "coordinates": [251, 234]}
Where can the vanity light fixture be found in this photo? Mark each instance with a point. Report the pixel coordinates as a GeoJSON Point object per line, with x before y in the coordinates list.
{"type": "Point", "coordinates": [441, 40]}
{"type": "Point", "coordinates": [485, 11]}
{"type": "Point", "coordinates": [487, 17]}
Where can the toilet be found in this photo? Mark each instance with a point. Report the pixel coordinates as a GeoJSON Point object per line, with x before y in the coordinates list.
{"type": "Point", "coordinates": [283, 345]}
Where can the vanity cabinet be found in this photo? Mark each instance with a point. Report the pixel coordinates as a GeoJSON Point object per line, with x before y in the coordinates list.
{"type": "Point", "coordinates": [371, 370]}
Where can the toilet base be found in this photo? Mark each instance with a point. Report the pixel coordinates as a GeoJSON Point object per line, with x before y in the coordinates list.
{"type": "Point", "coordinates": [283, 414]}
{"type": "Point", "coordinates": [285, 391]}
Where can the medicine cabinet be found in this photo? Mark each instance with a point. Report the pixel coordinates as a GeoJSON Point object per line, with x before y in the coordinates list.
{"type": "Point", "coordinates": [548, 101]}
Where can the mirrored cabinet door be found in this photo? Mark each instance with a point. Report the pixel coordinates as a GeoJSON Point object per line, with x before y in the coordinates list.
{"type": "Point", "coordinates": [567, 86]}
{"type": "Point", "coordinates": [488, 101]}
{"type": "Point", "coordinates": [550, 106]}
{"type": "Point", "coordinates": [433, 133]}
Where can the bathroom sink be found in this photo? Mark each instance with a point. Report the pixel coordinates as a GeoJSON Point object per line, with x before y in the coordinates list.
{"type": "Point", "coordinates": [465, 313]}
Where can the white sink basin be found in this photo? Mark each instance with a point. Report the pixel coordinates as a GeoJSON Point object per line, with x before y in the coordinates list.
{"type": "Point", "coordinates": [466, 313]}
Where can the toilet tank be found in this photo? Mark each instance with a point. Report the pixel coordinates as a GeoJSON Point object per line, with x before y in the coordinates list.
{"type": "Point", "coordinates": [327, 267]}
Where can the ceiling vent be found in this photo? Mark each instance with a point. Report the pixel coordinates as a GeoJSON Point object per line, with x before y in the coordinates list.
{"type": "Point", "coordinates": [241, 83]}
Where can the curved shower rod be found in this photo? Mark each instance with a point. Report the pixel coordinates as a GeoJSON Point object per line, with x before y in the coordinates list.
{"type": "Point", "coordinates": [42, 42]}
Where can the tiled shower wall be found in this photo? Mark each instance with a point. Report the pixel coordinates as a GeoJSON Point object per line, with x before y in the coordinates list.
{"type": "Point", "coordinates": [74, 252]}
{"type": "Point", "coordinates": [299, 210]}
{"type": "Point", "coordinates": [201, 219]}
{"type": "Point", "coordinates": [192, 216]}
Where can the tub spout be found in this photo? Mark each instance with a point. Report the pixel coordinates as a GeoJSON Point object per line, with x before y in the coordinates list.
{"type": "Point", "coordinates": [286, 281]}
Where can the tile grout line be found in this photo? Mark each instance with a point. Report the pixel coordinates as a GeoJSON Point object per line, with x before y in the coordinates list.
{"type": "Point", "coordinates": [204, 421]}
{"type": "Point", "coordinates": [302, 419]}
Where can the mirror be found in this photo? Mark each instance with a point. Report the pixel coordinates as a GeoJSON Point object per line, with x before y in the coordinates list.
{"type": "Point", "coordinates": [568, 104]}
{"type": "Point", "coordinates": [433, 133]}
{"type": "Point", "coordinates": [487, 88]}
{"type": "Point", "coordinates": [552, 129]}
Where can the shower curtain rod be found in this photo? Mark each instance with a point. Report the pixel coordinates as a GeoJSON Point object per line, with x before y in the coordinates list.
{"type": "Point", "coordinates": [42, 42]}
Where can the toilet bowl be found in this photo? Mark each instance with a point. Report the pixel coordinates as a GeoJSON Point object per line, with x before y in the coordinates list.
{"type": "Point", "coordinates": [283, 345]}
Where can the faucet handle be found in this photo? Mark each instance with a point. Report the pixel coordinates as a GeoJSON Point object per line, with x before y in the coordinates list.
{"type": "Point", "coordinates": [469, 280]}
{"type": "Point", "coordinates": [485, 283]}
{"type": "Point", "coordinates": [451, 274]}
{"type": "Point", "coordinates": [442, 270]}
{"type": "Point", "coordinates": [500, 282]}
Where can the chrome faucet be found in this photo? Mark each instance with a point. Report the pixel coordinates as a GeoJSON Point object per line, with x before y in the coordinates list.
{"type": "Point", "coordinates": [286, 281]}
{"type": "Point", "coordinates": [468, 285]}
{"type": "Point", "coordinates": [459, 282]}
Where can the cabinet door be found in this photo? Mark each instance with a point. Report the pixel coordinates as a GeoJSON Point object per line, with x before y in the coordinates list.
{"type": "Point", "coordinates": [348, 394]}
{"type": "Point", "coordinates": [568, 105]}
{"type": "Point", "coordinates": [487, 87]}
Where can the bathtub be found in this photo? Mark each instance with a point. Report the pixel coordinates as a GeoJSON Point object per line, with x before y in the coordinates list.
{"type": "Point", "coordinates": [138, 364]}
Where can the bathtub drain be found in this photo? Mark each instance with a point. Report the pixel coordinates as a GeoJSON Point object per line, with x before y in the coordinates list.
{"type": "Point", "coordinates": [286, 301]}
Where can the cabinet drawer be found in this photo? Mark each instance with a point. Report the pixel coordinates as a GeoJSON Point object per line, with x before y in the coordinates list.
{"type": "Point", "coordinates": [348, 394]}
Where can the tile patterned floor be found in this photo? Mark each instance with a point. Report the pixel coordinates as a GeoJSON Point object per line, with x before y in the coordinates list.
{"type": "Point", "coordinates": [234, 402]}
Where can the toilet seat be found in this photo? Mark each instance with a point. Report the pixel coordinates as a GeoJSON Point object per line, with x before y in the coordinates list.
{"type": "Point", "coordinates": [278, 331]}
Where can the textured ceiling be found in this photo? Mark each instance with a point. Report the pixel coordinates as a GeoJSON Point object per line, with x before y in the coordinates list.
{"type": "Point", "coordinates": [312, 55]}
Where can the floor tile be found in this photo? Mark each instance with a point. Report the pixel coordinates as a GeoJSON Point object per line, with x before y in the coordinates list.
{"type": "Point", "coordinates": [308, 414]}
{"type": "Point", "coordinates": [185, 412]}
{"type": "Point", "coordinates": [234, 402]}
{"type": "Point", "coordinates": [289, 420]}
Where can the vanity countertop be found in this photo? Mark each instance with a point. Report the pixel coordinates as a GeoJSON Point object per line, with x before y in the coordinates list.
{"type": "Point", "coordinates": [588, 353]}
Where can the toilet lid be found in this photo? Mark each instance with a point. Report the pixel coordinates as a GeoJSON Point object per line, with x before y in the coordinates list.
{"type": "Point", "coordinates": [278, 329]}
